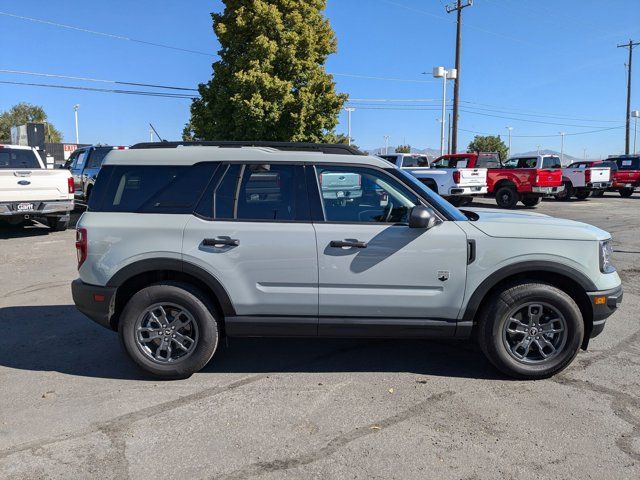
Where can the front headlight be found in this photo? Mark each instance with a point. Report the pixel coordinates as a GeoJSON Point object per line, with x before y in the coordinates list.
{"type": "Point", "coordinates": [606, 249]}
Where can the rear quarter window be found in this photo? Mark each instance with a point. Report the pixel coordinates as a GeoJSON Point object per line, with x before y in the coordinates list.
{"type": "Point", "coordinates": [150, 189]}
{"type": "Point", "coordinates": [630, 163]}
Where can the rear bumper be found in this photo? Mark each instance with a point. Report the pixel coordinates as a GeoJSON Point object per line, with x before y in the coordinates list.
{"type": "Point", "coordinates": [599, 185]}
{"type": "Point", "coordinates": [474, 190]}
{"type": "Point", "coordinates": [547, 190]}
{"type": "Point", "coordinates": [604, 303]}
{"type": "Point", "coordinates": [40, 208]}
{"type": "Point", "coordinates": [95, 302]}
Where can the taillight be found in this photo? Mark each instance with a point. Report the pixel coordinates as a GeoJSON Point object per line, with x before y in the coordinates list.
{"type": "Point", "coordinates": [72, 187]}
{"type": "Point", "coordinates": [81, 245]}
{"type": "Point", "coordinates": [456, 177]}
{"type": "Point", "coordinates": [587, 176]}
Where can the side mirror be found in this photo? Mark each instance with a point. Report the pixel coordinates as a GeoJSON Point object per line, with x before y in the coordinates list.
{"type": "Point", "coordinates": [422, 217]}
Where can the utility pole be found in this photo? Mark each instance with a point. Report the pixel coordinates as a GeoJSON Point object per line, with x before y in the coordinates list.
{"type": "Point", "coordinates": [635, 114]}
{"type": "Point", "coordinates": [630, 46]}
{"type": "Point", "coordinates": [584, 154]}
{"type": "Point", "coordinates": [456, 86]}
{"type": "Point", "coordinates": [449, 139]}
{"type": "Point", "coordinates": [538, 149]}
{"type": "Point", "coordinates": [349, 111]}
{"type": "Point", "coordinates": [386, 144]}
{"type": "Point", "coordinates": [75, 110]}
{"type": "Point", "coordinates": [509, 148]}
{"type": "Point", "coordinates": [562, 134]}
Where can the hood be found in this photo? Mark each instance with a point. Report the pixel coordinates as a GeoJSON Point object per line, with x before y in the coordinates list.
{"type": "Point", "coordinates": [510, 224]}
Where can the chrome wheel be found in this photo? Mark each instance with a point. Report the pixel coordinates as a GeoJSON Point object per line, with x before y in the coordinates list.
{"type": "Point", "coordinates": [166, 333]}
{"type": "Point", "coordinates": [534, 333]}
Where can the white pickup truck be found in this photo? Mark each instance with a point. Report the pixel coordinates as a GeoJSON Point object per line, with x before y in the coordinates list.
{"type": "Point", "coordinates": [582, 178]}
{"type": "Point", "coordinates": [29, 191]}
{"type": "Point", "coordinates": [458, 185]}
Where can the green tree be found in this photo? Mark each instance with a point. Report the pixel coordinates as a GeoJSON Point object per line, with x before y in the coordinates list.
{"type": "Point", "coordinates": [270, 82]}
{"type": "Point", "coordinates": [488, 143]}
{"type": "Point", "coordinates": [403, 149]}
{"type": "Point", "coordinates": [22, 113]}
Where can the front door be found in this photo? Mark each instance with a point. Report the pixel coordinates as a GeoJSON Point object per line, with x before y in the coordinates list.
{"type": "Point", "coordinates": [255, 236]}
{"type": "Point", "coordinates": [377, 276]}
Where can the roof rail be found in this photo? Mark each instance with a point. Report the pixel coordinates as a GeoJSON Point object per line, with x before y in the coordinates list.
{"type": "Point", "coordinates": [334, 148]}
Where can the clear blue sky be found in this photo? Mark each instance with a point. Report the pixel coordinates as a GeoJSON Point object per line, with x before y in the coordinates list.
{"type": "Point", "coordinates": [543, 57]}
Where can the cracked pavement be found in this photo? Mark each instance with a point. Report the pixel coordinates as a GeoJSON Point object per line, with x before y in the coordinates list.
{"type": "Point", "coordinates": [73, 406]}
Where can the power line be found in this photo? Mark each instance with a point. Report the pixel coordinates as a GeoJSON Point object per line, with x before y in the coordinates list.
{"type": "Point", "coordinates": [88, 79]}
{"type": "Point", "coordinates": [527, 120]}
{"type": "Point", "coordinates": [103, 90]}
{"type": "Point", "coordinates": [104, 34]}
{"type": "Point", "coordinates": [372, 77]}
{"type": "Point", "coordinates": [547, 135]}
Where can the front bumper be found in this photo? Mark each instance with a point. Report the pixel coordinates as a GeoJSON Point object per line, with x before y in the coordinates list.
{"type": "Point", "coordinates": [97, 303]}
{"type": "Point", "coordinates": [547, 190]}
{"type": "Point", "coordinates": [604, 304]}
{"type": "Point", "coordinates": [474, 190]}
{"type": "Point", "coordinates": [36, 208]}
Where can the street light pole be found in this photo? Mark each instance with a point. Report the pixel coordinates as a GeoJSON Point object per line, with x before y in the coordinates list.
{"type": "Point", "coordinates": [562, 134]}
{"type": "Point", "coordinates": [451, 74]}
{"type": "Point", "coordinates": [386, 144]}
{"type": "Point", "coordinates": [509, 149]}
{"type": "Point", "coordinates": [635, 114]}
{"type": "Point", "coordinates": [349, 110]}
{"type": "Point", "coordinates": [75, 110]}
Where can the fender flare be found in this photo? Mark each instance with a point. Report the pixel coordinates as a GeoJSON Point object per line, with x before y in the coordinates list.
{"type": "Point", "coordinates": [523, 267]}
{"type": "Point", "coordinates": [175, 265]}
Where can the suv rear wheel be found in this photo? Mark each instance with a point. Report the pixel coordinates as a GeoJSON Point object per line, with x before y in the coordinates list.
{"type": "Point", "coordinates": [530, 330]}
{"type": "Point", "coordinates": [626, 192]}
{"type": "Point", "coordinates": [169, 330]}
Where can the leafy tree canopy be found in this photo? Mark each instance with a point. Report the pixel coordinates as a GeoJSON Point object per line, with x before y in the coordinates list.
{"type": "Point", "coordinates": [488, 143]}
{"type": "Point", "coordinates": [26, 113]}
{"type": "Point", "coordinates": [403, 149]}
{"type": "Point", "coordinates": [270, 82]}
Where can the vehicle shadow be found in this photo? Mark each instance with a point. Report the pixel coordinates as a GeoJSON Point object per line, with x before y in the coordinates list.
{"type": "Point", "coordinates": [59, 338]}
{"type": "Point", "coordinates": [32, 228]}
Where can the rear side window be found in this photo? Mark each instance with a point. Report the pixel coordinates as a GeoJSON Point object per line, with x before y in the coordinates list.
{"type": "Point", "coordinates": [551, 162]}
{"type": "Point", "coordinates": [527, 162]}
{"type": "Point", "coordinates": [97, 157]}
{"type": "Point", "coordinates": [415, 161]}
{"type": "Point", "coordinates": [152, 189]}
{"type": "Point", "coordinates": [16, 159]}
{"type": "Point", "coordinates": [488, 161]}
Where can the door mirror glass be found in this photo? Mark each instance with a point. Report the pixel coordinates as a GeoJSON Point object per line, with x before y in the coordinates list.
{"type": "Point", "coordinates": [422, 217]}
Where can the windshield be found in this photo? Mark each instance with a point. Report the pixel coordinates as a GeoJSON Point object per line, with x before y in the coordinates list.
{"type": "Point", "coordinates": [433, 198]}
{"type": "Point", "coordinates": [10, 158]}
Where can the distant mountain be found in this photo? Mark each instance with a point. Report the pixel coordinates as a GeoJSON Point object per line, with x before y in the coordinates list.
{"type": "Point", "coordinates": [566, 160]}
{"type": "Point", "coordinates": [429, 152]}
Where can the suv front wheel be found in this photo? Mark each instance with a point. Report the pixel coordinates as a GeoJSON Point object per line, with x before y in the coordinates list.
{"type": "Point", "coordinates": [169, 330]}
{"type": "Point", "coordinates": [530, 330]}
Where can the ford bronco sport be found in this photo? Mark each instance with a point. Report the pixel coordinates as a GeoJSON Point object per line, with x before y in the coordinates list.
{"type": "Point", "coordinates": [183, 246]}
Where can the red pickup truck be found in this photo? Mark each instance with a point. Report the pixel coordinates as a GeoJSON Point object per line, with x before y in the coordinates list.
{"type": "Point", "coordinates": [523, 179]}
{"type": "Point", "coordinates": [627, 178]}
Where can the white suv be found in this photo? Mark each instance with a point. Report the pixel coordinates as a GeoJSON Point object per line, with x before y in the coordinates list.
{"type": "Point", "coordinates": [182, 245]}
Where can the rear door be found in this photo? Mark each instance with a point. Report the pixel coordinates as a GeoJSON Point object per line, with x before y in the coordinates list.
{"type": "Point", "coordinates": [254, 234]}
{"type": "Point", "coordinates": [377, 276]}
{"type": "Point", "coordinates": [77, 168]}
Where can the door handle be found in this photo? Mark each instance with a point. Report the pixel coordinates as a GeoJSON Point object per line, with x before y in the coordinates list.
{"type": "Point", "coordinates": [347, 243]}
{"type": "Point", "coordinates": [217, 242]}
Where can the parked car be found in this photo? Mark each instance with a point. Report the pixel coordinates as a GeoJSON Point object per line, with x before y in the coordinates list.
{"type": "Point", "coordinates": [457, 184]}
{"type": "Point", "coordinates": [85, 163]}
{"type": "Point", "coordinates": [581, 179]}
{"type": "Point", "coordinates": [519, 179]}
{"type": "Point", "coordinates": [179, 248]}
{"type": "Point", "coordinates": [627, 178]}
{"type": "Point", "coordinates": [28, 190]}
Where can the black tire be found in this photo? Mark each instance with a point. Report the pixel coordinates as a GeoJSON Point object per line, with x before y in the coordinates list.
{"type": "Point", "coordinates": [626, 192]}
{"type": "Point", "coordinates": [187, 298]}
{"type": "Point", "coordinates": [582, 194]}
{"type": "Point", "coordinates": [531, 200]}
{"type": "Point", "coordinates": [597, 193]}
{"type": "Point", "coordinates": [566, 193]}
{"type": "Point", "coordinates": [58, 224]}
{"type": "Point", "coordinates": [460, 201]}
{"type": "Point", "coordinates": [507, 197]}
{"type": "Point", "coordinates": [493, 319]}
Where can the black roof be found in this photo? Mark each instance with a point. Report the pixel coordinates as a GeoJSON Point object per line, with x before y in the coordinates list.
{"type": "Point", "coordinates": [334, 148]}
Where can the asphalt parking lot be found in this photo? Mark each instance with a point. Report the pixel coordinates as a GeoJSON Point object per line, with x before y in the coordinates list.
{"type": "Point", "coordinates": [73, 406]}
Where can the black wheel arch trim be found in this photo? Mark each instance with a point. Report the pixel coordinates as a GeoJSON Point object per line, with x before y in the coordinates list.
{"type": "Point", "coordinates": [172, 264]}
{"type": "Point", "coordinates": [523, 267]}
